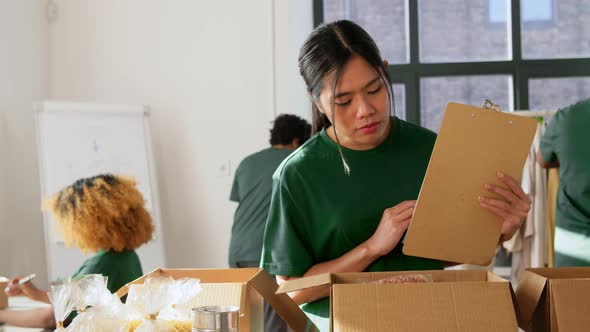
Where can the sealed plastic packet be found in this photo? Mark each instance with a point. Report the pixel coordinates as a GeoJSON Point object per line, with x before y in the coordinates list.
{"type": "Point", "coordinates": [89, 291]}
{"type": "Point", "coordinates": [405, 279]}
{"type": "Point", "coordinates": [147, 301]}
{"type": "Point", "coordinates": [98, 309]}
{"type": "Point", "coordinates": [107, 315]}
{"type": "Point", "coordinates": [96, 321]}
{"type": "Point", "coordinates": [61, 297]}
{"type": "Point", "coordinates": [184, 293]}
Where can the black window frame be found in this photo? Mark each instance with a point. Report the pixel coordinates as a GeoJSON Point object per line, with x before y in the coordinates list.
{"type": "Point", "coordinates": [529, 24]}
{"type": "Point", "coordinates": [520, 69]}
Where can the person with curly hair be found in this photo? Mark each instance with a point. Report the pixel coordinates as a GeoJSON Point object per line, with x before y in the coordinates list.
{"type": "Point", "coordinates": [104, 215]}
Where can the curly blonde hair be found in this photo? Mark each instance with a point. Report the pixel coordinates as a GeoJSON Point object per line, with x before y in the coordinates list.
{"type": "Point", "coordinates": [103, 212]}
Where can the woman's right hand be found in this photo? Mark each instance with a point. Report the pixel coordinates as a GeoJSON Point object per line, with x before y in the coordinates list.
{"type": "Point", "coordinates": [27, 289]}
{"type": "Point", "coordinates": [393, 224]}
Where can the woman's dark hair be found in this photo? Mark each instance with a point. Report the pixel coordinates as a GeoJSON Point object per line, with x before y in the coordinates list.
{"type": "Point", "coordinates": [287, 127]}
{"type": "Point", "coordinates": [326, 51]}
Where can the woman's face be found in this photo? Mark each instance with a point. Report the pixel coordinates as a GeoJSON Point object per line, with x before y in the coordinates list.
{"type": "Point", "coordinates": [361, 116]}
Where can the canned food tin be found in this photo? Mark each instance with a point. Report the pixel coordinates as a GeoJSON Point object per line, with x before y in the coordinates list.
{"type": "Point", "coordinates": [215, 319]}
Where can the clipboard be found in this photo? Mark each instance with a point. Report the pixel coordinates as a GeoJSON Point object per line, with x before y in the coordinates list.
{"type": "Point", "coordinates": [472, 145]}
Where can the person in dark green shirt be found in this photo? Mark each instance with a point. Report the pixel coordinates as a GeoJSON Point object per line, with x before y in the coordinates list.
{"type": "Point", "coordinates": [120, 267]}
{"type": "Point", "coordinates": [565, 145]}
{"type": "Point", "coordinates": [343, 200]}
{"type": "Point", "coordinates": [251, 188]}
{"type": "Point", "coordinates": [104, 215]}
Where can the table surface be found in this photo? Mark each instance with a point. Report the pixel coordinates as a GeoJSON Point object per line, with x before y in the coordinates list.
{"type": "Point", "coordinates": [21, 303]}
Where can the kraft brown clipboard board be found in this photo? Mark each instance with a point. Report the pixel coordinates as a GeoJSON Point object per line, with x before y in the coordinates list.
{"type": "Point", "coordinates": [473, 144]}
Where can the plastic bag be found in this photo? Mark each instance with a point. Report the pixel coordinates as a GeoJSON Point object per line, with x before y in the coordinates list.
{"type": "Point", "coordinates": [97, 321]}
{"type": "Point", "coordinates": [62, 299]}
{"type": "Point", "coordinates": [148, 300]}
{"type": "Point", "coordinates": [405, 279]}
{"type": "Point", "coordinates": [109, 314]}
{"type": "Point", "coordinates": [184, 293]}
{"type": "Point", "coordinates": [90, 290]}
{"type": "Point", "coordinates": [98, 309]}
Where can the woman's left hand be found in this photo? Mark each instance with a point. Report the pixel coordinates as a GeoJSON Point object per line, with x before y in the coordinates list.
{"type": "Point", "coordinates": [513, 209]}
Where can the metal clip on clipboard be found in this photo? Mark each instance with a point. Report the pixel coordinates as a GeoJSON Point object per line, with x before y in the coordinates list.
{"type": "Point", "coordinates": [488, 104]}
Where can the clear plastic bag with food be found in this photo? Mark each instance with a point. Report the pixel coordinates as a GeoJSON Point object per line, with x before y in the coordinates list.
{"type": "Point", "coordinates": [97, 321]}
{"type": "Point", "coordinates": [405, 279]}
{"type": "Point", "coordinates": [62, 300]}
{"type": "Point", "coordinates": [147, 300]}
{"type": "Point", "coordinates": [98, 309]}
{"type": "Point", "coordinates": [90, 290]}
{"type": "Point", "coordinates": [184, 293]}
{"type": "Point", "coordinates": [108, 313]}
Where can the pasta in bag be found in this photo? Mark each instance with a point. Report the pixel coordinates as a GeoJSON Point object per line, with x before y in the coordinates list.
{"type": "Point", "coordinates": [184, 293]}
{"type": "Point", "coordinates": [147, 301]}
{"type": "Point", "coordinates": [62, 299]}
{"type": "Point", "coordinates": [405, 279]}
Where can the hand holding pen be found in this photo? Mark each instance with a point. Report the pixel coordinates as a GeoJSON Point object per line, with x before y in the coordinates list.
{"type": "Point", "coordinates": [24, 287]}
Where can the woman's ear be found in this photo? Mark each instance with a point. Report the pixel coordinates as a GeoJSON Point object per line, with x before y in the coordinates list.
{"type": "Point", "coordinates": [317, 105]}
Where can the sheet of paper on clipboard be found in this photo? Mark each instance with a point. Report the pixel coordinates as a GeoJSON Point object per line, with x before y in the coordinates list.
{"type": "Point", "coordinates": [472, 145]}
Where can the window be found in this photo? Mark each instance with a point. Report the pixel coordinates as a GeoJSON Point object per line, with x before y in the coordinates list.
{"type": "Point", "coordinates": [532, 11]}
{"type": "Point", "coordinates": [536, 11]}
{"type": "Point", "coordinates": [523, 54]}
{"type": "Point", "coordinates": [556, 93]}
{"type": "Point", "coordinates": [498, 11]}
{"type": "Point", "coordinates": [436, 92]}
{"type": "Point", "coordinates": [568, 36]}
{"type": "Point", "coordinates": [453, 31]}
{"type": "Point", "coordinates": [399, 100]}
{"type": "Point", "coordinates": [384, 20]}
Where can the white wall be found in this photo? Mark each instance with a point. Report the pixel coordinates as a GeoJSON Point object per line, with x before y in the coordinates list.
{"type": "Point", "coordinates": [293, 23]}
{"type": "Point", "coordinates": [204, 67]}
{"type": "Point", "coordinates": [23, 78]}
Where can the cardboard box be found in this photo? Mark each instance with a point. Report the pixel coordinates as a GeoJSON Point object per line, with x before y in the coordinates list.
{"type": "Point", "coordinates": [473, 301]}
{"type": "Point", "coordinates": [3, 298]}
{"type": "Point", "coordinates": [551, 300]}
{"type": "Point", "coordinates": [244, 288]}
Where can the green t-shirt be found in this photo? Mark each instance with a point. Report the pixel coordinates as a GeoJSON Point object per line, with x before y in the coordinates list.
{"type": "Point", "coordinates": [318, 213]}
{"type": "Point", "coordinates": [120, 267]}
{"type": "Point", "coordinates": [566, 139]}
{"type": "Point", "coordinates": [251, 189]}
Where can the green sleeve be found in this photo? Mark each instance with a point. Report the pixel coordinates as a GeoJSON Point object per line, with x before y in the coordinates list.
{"type": "Point", "coordinates": [235, 189]}
{"type": "Point", "coordinates": [98, 268]}
{"type": "Point", "coordinates": [285, 250]}
{"type": "Point", "coordinates": [80, 270]}
{"type": "Point", "coordinates": [87, 269]}
{"type": "Point", "coordinates": [550, 138]}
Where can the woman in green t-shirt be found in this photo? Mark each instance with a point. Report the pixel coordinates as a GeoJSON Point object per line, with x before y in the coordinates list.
{"type": "Point", "coordinates": [343, 200]}
{"type": "Point", "coordinates": [104, 215]}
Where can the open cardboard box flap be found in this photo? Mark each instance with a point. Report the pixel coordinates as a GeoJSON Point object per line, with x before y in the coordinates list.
{"type": "Point", "coordinates": [572, 314]}
{"type": "Point", "coordinates": [567, 285]}
{"type": "Point", "coordinates": [528, 294]}
{"type": "Point", "coordinates": [261, 281]}
{"type": "Point", "coordinates": [454, 301]}
{"type": "Point", "coordinates": [363, 277]}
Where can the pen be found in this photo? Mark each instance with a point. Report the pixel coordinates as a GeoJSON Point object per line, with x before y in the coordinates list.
{"type": "Point", "coordinates": [22, 281]}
